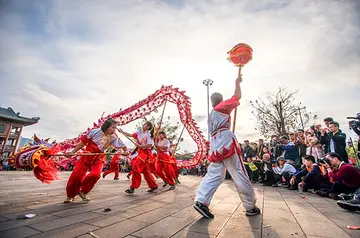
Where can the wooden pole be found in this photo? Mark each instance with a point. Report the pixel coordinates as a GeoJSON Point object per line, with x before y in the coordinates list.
{"type": "Point", "coordinates": [182, 131]}
{"type": "Point", "coordinates": [235, 112]}
{"type": "Point", "coordinates": [88, 154]}
{"type": "Point", "coordinates": [161, 119]}
{"type": "Point", "coordinates": [187, 153]}
{"type": "Point", "coordinates": [126, 136]}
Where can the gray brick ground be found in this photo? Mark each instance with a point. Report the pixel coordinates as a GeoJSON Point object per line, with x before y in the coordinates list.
{"type": "Point", "coordinates": [163, 214]}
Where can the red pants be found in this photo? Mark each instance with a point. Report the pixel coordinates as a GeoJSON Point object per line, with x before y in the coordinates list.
{"type": "Point", "coordinates": [130, 173]}
{"type": "Point", "coordinates": [175, 169]}
{"type": "Point", "coordinates": [114, 167]}
{"type": "Point", "coordinates": [165, 172]}
{"type": "Point", "coordinates": [132, 165]}
{"type": "Point", "coordinates": [152, 168]}
{"type": "Point", "coordinates": [79, 181]}
{"type": "Point", "coordinates": [139, 168]}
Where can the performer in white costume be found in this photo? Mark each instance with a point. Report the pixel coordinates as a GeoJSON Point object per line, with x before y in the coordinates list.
{"type": "Point", "coordinates": [224, 155]}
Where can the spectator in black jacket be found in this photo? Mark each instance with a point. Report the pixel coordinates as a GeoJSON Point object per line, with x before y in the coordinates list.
{"type": "Point", "coordinates": [269, 178]}
{"type": "Point", "coordinates": [300, 142]}
{"type": "Point", "coordinates": [335, 141]}
{"type": "Point", "coordinates": [275, 149]}
{"type": "Point", "coordinates": [318, 131]}
{"type": "Point", "coordinates": [325, 131]}
{"type": "Point", "coordinates": [260, 149]}
{"type": "Point", "coordinates": [248, 151]}
{"type": "Point", "coordinates": [310, 177]}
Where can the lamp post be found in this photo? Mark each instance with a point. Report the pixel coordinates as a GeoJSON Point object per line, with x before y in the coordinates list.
{"type": "Point", "coordinates": [208, 83]}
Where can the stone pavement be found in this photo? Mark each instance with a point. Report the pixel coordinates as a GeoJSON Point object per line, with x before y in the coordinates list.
{"type": "Point", "coordinates": [164, 214]}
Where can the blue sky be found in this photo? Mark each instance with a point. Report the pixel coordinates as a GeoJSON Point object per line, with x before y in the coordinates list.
{"type": "Point", "coordinates": [69, 61]}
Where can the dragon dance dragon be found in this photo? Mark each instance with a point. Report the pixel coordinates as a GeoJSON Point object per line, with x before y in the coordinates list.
{"type": "Point", "coordinates": [38, 155]}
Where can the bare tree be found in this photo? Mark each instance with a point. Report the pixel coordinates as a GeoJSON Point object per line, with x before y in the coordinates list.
{"type": "Point", "coordinates": [278, 113]}
{"type": "Point", "coordinates": [171, 129]}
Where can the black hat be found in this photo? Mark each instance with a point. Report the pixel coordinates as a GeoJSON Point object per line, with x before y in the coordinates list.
{"type": "Point", "coordinates": [310, 158]}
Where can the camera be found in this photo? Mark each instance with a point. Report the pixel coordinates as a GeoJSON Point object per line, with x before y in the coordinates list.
{"type": "Point", "coordinates": [354, 124]}
{"type": "Point", "coordinates": [322, 161]}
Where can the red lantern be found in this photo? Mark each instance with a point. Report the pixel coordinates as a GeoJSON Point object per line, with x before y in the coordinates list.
{"type": "Point", "coordinates": [240, 54]}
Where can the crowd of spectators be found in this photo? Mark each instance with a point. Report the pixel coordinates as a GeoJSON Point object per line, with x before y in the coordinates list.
{"type": "Point", "coordinates": [317, 160]}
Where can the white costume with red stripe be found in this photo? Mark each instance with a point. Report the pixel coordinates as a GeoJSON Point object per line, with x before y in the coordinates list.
{"type": "Point", "coordinates": [225, 155]}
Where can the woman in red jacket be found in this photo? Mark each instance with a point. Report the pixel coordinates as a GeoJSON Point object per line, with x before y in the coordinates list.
{"type": "Point", "coordinates": [164, 167]}
{"type": "Point", "coordinates": [141, 162]}
{"type": "Point", "coordinates": [95, 141]}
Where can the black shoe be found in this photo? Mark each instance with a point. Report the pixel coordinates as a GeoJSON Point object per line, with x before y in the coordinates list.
{"type": "Point", "coordinates": [165, 184]}
{"type": "Point", "coordinates": [275, 185]}
{"type": "Point", "coordinates": [203, 210]}
{"type": "Point", "coordinates": [351, 205]}
{"type": "Point", "coordinates": [267, 184]}
{"type": "Point", "coordinates": [172, 187]}
{"type": "Point", "coordinates": [253, 212]}
{"type": "Point", "coordinates": [116, 178]}
{"type": "Point", "coordinates": [129, 191]}
{"type": "Point", "coordinates": [152, 190]}
{"type": "Point", "coordinates": [293, 188]}
{"type": "Point", "coordinates": [103, 175]}
{"type": "Point", "coordinates": [322, 193]}
{"type": "Point", "coordinates": [287, 186]}
{"type": "Point", "coordinates": [334, 196]}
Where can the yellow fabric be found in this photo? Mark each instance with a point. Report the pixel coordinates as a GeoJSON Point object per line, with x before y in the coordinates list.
{"type": "Point", "coordinates": [252, 166]}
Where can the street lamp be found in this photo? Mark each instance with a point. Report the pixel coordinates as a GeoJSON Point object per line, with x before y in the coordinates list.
{"type": "Point", "coordinates": [208, 83]}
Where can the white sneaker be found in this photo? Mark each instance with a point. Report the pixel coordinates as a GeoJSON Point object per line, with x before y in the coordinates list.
{"type": "Point", "coordinates": [83, 197]}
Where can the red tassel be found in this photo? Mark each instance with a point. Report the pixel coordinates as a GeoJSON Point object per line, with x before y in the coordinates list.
{"type": "Point", "coordinates": [45, 171]}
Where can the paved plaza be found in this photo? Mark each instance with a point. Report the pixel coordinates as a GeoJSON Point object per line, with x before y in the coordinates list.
{"type": "Point", "coordinates": [163, 214]}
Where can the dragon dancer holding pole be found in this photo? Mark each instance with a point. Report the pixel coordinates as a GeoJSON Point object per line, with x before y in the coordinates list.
{"type": "Point", "coordinates": [225, 153]}
{"type": "Point", "coordinates": [95, 142]}
{"type": "Point", "coordinates": [144, 143]}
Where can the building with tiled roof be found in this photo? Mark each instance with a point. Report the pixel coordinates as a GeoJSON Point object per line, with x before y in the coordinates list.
{"type": "Point", "coordinates": [11, 125]}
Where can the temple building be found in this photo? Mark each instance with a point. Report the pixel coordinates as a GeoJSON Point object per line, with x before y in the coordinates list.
{"type": "Point", "coordinates": [11, 125]}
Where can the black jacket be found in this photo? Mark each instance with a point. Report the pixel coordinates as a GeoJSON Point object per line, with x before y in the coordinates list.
{"type": "Point", "coordinates": [339, 144]}
{"type": "Point", "coordinates": [260, 151]}
{"type": "Point", "coordinates": [249, 152]}
{"type": "Point", "coordinates": [301, 148]}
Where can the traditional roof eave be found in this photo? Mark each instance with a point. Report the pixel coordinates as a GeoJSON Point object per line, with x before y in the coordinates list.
{"type": "Point", "coordinates": [9, 115]}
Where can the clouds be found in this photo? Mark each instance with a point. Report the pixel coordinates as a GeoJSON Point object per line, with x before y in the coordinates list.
{"type": "Point", "coordinates": [68, 61]}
